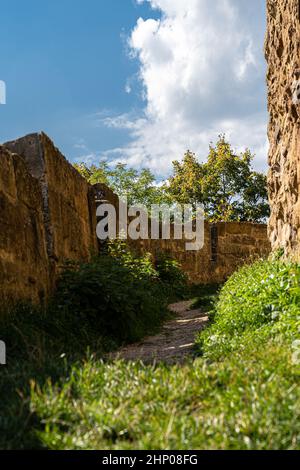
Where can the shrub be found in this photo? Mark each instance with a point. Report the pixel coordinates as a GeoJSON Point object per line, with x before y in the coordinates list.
{"type": "Point", "coordinates": [141, 267]}
{"type": "Point", "coordinates": [120, 301]}
{"type": "Point", "coordinates": [173, 281]}
{"type": "Point", "coordinates": [205, 297]}
{"type": "Point", "coordinates": [114, 299]}
{"type": "Point", "coordinates": [171, 274]}
{"type": "Point", "coordinates": [256, 302]}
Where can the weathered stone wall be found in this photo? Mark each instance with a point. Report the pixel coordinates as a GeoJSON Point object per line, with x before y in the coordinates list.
{"type": "Point", "coordinates": [68, 200]}
{"type": "Point", "coordinates": [227, 246]}
{"type": "Point", "coordinates": [24, 272]}
{"type": "Point", "coordinates": [47, 215]}
{"type": "Point", "coordinates": [283, 56]}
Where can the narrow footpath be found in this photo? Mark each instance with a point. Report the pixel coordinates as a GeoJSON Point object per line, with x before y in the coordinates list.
{"type": "Point", "coordinates": [174, 344]}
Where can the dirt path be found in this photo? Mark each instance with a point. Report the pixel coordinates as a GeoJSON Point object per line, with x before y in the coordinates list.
{"type": "Point", "coordinates": [175, 341]}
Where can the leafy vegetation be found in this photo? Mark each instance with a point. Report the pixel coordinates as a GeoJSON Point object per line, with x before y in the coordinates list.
{"type": "Point", "coordinates": [112, 298]}
{"type": "Point", "coordinates": [139, 187]}
{"type": "Point", "coordinates": [205, 296]}
{"type": "Point", "coordinates": [249, 401]}
{"type": "Point", "coordinates": [171, 274]}
{"type": "Point", "coordinates": [241, 390]}
{"type": "Point", "coordinates": [117, 298]}
{"type": "Point", "coordinates": [225, 184]}
{"type": "Point", "coordinates": [257, 303]}
{"type": "Point", "coordinates": [244, 396]}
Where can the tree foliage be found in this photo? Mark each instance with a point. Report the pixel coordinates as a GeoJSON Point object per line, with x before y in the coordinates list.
{"type": "Point", "coordinates": [226, 184]}
{"type": "Point", "coordinates": [140, 187]}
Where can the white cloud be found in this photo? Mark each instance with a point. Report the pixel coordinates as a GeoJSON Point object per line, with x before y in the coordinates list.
{"type": "Point", "coordinates": [202, 70]}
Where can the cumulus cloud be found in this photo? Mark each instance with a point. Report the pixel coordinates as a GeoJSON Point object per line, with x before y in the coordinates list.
{"type": "Point", "coordinates": [202, 71]}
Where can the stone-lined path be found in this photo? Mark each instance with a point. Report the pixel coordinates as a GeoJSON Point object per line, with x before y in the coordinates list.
{"type": "Point", "coordinates": [175, 341]}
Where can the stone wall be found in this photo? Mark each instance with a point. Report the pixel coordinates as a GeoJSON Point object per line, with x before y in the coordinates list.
{"type": "Point", "coordinates": [227, 246]}
{"type": "Point", "coordinates": [24, 272]}
{"type": "Point", "coordinates": [47, 215]}
{"type": "Point", "coordinates": [283, 78]}
{"type": "Point", "coordinates": [68, 200]}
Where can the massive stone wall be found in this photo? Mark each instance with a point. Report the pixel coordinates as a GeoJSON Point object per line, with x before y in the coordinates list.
{"type": "Point", "coordinates": [47, 215]}
{"type": "Point", "coordinates": [24, 272]}
{"type": "Point", "coordinates": [68, 200]}
{"type": "Point", "coordinates": [283, 77]}
{"type": "Point", "coordinates": [227, 246]}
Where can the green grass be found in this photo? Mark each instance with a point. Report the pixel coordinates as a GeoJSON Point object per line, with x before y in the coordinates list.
{"type": "Point", "coordinates": [40, 344]}
{"type": "Point", "coordinates": [257, 303]}
{"type": "Point", "coordinates": [241, 392]}
{"type": "Point", "coordinates": [113, 300]}
{"type": "Point", "coordinates": [246, 402]}
{"type": "Point", "coordinates": [204, 297]}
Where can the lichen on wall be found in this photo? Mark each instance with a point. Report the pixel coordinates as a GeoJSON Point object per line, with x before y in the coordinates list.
{"type": "Point", "coordinates": [283, 79]}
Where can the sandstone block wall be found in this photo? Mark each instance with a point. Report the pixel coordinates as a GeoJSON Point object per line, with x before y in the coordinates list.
{"type": "Point", "coordinates": [68, 200]}
{"type": "Point", "coordinates": [47, 215]}
{"type": "Point", "coordinates": [24, 272]}
{"type": "Point", "coordinates": [283, 78]}
{"type": "Point", "coordinates": [227, 246]}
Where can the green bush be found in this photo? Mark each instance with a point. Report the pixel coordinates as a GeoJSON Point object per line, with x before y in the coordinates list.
{"type": "Point", "coordinates": [170, 273]}
{"type": "Point", "coordinates": [256, 302]}
{"type": "Point", "coordinates": [116, 298]}
{"type": "Point", "coordinates": [205, 297]}
{"type": "Point", "coordinates": [141, 267]}
{"type": "Point", "coordinates": [120, 301]}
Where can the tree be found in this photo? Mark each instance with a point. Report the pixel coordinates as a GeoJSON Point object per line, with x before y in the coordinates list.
{"type": "Point", "coordinates": [226, 184]}
{"type": "Point", "coordinates": [94, 174]}
{"type": "Point", "coordinates": [140, 187]}
{"type": "Point", "coordinates": [184, 186]}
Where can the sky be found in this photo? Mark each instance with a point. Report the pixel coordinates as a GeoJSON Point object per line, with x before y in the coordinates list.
{"type": "Point", "coordinates": [135, 81]}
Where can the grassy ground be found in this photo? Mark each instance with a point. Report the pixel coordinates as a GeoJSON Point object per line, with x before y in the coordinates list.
{"type": "Point", "coordinates": [113, 300]}
{"type": "Point", "coordinates": [241, 392]}
{"type": "Point", "coordinates": [248, 401]}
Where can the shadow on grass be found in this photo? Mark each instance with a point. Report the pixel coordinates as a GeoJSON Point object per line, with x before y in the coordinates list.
{"type": "Point", "coordinates": [45, 344]}
{"type": "Point", "coordinates": [204, 296]}
{"type": "Point", "coordinates": [39, 345]}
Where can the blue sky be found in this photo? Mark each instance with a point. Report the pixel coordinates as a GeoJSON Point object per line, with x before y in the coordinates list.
{"type": "Point", "coordinates": [132, 80]}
